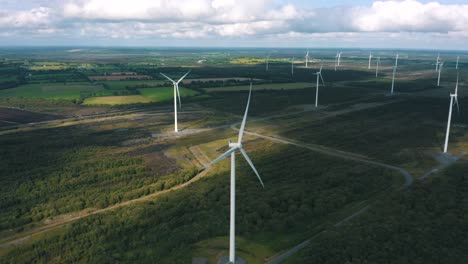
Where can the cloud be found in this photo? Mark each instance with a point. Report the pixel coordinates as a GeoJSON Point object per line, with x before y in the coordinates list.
{"type": "Point", "coordinates": [410, 16]}
{"type": "Point", "coordinates": [36, 17]}
{"type": "Point", "coordinates": [212, 19]}
{"type": "Point", "coordinates": [214, 11]}
{"type": "Point", "coordinates": [252, 17]}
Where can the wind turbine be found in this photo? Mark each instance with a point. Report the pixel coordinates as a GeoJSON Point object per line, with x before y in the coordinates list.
{"type": "Point", "coordinates": [458, 58]}
{"type": "Point", "coordinates": [394, 72]}
{"type": "Point", "coordinates": [292, 66]}
{"type": "Point", "coordinates": [307, 59]}
{"type": "Point", "coordinates": [452, 102]}
{"type": "Point", "coordinates": [437, 62]}
{"type": "Point", "coordinates": [338, 59]}
{"type": "Point", "coordinates": [319, 75]}
{"type": "Point", "coordinates": [176, 94]}
{"type": "Point", "coordinates": [234, 147]}
{"type": "Point", "coordinates": [370, 59]}
{"type": "Point", "coordinates": [377, 68]}
{"type": "Point", "coordinates": [440, 69]}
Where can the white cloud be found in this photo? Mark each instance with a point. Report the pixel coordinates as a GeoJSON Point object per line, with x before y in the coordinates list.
{"type": "Point", "coordinates": [35, 17]}
{"type": "Point", "coordinates": [411, 16]}
{"type": "Point", "coordinates": [254, 19]}
{"type": "Point", "coordinates": [166, 10]}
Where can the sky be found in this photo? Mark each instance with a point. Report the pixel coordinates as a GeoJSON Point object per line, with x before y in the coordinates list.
{"type": "Point", "coordinates": [413, 24]}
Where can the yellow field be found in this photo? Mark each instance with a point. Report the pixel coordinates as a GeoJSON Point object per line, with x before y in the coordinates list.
{"type": "Point", "coordinates": [116, 100]}
{"type": "Point", "coordinates": [251, 61]}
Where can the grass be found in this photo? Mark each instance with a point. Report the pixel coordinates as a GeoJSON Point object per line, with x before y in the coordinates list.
{"type": "Point", "coordinates": [273, 86]}
{"type": "Point", "coordinates": [8, 78]}
{"type": "Point", "coordinates": [250, 251]}
{"type": "Point", "coordinates": [120, 85]}
{"type": "Point", "coordinates": [54, 91]}
{"type": "Point", "coordinates": [164, 93]}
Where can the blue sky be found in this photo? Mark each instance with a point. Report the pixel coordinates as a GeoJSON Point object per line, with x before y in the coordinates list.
{"type": "Point", "coordinates": [424, 24]}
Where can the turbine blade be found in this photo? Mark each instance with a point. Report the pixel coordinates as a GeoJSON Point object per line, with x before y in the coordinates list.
{"type": "Point", "coordinates": [456, 102]}
{"type": "Point", "coordinates": [181, 78]}
{"type": "Point", "coordinates": [323, 82]}
{"type": "Point", "coordinates": [251, 165]}
{"type": "Point", "coordinates": [241, 130]}
{"type": "Point", "coordinates": [167, 77]}
{"type": "Point", "coordinates": [221, 157]}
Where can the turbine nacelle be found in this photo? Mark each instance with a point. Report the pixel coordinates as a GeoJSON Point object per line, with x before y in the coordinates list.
{"type": "Point", "coordinates": [235, 145]}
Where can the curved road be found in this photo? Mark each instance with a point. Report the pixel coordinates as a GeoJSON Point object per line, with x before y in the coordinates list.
{"type": "Point", "coordinates": [409, 179]}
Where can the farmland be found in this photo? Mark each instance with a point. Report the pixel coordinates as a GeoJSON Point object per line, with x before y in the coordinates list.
{"type": "Point", "coordinates": [116, 100]}
{"type": "Point", "coordinates": [92, 170]}
{"type": "Point", "coordinates": [279, 86]}
{"type": "Point", "coordinates": [54, 91]}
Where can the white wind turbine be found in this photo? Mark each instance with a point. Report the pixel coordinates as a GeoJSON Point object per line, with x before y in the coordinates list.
{"type": "Point", "coordinates": [453, 100]}
{"type": "Point", "coordinates": [437, 62]}
{"type": "Point", "coordinates": [319, 75]}
{"type": "Point", "coordinates": [338, 59]}
{"type": "Point", "coordinates": [370, 59]}
{"type": "Point", "coordinates": [307, 59]}
{"type": "Point", "coordinates": [267, 61]}
{"type": "Point", "coordinates": [394, 72]}
{"type": "Point", "coordinates": [234, 147]}
{"type": "Point", "coordinates": [377, 67]}
{"type": "Point", "coordinates": [176, 94]}
{"type": "Point", "coordinates": [458, 58]}
{"type": "Point", "coordinates": [440, 69]}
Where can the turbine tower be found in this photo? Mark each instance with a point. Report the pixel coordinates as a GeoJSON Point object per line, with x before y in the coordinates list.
{"type": "Point", "coordinates": [377, 67]}
{"type": "Point", "coordinates": [394, 72]}
{"type": "Point", "coordinates": [234, 147]}
{"type": "Point", "coordinates": [307, 59]}
{"type": "Point", "coordinates": [458, 58]}
{"type": "Point", "coordinates": [370, 59]}
{"type": "Point", "coordinates": [319, 76]}
{"type": "Point", "coordinates": [453, 100]}
{"type": "Point", "coordinates": [440, 69]}
{"type": "Point", "coordinates": [176, 94]}
{"type": "Point", "coordinates": [437, 62]}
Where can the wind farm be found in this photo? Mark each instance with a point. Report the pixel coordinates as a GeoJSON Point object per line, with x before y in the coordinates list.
{"type": "Point", "coordinates": [178, 154]}
{"type": "Point", "coordinates": [233, 132]}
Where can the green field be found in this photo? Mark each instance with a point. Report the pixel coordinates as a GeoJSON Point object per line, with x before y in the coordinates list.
{"type": "Point", "coordinates": [273, 86]}
{"type": "Point", "coordinates": [120, 85]}
{"type": "Point", "coordinates": [55, 91]}
{"type": "Point", "coordinates": [148, 95]}
{"type": "Point", "coordinates": [165, 93]}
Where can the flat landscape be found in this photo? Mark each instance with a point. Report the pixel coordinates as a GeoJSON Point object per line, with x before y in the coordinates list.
{"type": "Point", "coordinates": [93, 172]}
